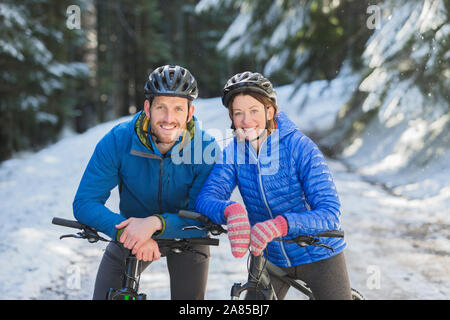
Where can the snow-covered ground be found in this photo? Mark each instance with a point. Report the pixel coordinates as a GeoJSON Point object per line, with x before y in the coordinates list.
{"type": "Point", "coordinates": [397, 248]}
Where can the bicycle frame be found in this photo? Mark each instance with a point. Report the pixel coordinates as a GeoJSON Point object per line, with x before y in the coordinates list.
{"type": "Point", "coordinates": [301, 286]}
{"type": "Point", "coordinates": [258, 280]}
{"type": "Point", "coordinates": [130, 284]}
{"type": "Point", "coordinates": [261, 270]}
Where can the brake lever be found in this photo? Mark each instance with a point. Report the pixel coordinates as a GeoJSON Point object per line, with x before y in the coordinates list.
{"type": "Point", "coordinates": [323, 245]}
{"type": "Point", "coordinates": [315, 243]}
{"type": "Point", "coordinates": [215, 231]}
{"type": "Point", "coordinates": [91, 236]}
{"type": "Point", "coordinates": [77, 236]}
{"type": "Point", "coordinates": [193, 227]}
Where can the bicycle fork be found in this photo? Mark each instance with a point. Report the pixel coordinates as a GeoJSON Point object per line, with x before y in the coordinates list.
{"type": "Point", "coordinates": [258, 281]}
{"type": "Point", "coordinates": [130, 283]}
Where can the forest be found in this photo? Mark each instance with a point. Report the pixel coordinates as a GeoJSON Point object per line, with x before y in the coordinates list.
{"type": "Point", "coordinates": [74, 64]}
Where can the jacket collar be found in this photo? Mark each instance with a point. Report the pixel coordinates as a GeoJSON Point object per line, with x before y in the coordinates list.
{"type": "Point", "coordinates": [285, 125]}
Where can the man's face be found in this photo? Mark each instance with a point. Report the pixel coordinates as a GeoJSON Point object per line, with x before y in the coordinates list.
{"type": "Point", "coordinates": [168, 117]}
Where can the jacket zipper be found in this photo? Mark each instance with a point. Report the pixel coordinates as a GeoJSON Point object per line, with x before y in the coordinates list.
{"type": "Point", "coordinates": [267, 206]}
{"type": "Point", "coordinates": [161, 165]}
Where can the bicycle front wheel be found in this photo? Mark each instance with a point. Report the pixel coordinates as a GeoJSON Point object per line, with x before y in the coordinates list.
{"type": "Point", "coordinates": [356, 295]}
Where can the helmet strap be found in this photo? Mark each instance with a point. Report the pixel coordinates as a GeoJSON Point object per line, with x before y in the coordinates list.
{"type": "Point", "coordinates": [266, 128]}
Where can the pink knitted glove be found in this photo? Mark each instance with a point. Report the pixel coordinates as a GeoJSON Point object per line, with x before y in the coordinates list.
{"type": "Point", "coordinates": [238, 228]}
{"type": "Point", "coordinates": [264, 232]}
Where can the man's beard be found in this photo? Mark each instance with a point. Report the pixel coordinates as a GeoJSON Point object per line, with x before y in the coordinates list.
{"type": "Point", "coordinates": [161, 136]}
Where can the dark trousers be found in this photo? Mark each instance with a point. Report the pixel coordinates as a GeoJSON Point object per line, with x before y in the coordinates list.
{"type": "Point", "coordinates": [188, 272]}
{"type": "Point", "coordinates": [327, 279]}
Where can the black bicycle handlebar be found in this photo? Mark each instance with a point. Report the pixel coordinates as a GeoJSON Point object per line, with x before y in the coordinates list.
{"type": "Point", "coordinates": [92, 234]}
{"type": "Point", "coordinates": [313, 240]}
{"type": "Point", "coordinates": [326, 234]}
{"type": "Point", "coordinates": [190, 241]}
{"type": "Point", "coordinates": [68, 223]}
{"type": "Point", "coordinates": [193, 215]}
{"type": "Point", "coordinates": [177, 245]}
{"type": "Point", "coordinates": [331, 234]}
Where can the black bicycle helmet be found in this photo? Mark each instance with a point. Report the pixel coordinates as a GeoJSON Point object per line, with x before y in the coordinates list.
{"type": "Point", "coordinates": [248, 81]}
{"type": "Point", "coordinates": [171, 80]}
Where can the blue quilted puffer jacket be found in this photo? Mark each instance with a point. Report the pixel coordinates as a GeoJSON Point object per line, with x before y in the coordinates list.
{"type": "Point", "coordinates": [289, 177]}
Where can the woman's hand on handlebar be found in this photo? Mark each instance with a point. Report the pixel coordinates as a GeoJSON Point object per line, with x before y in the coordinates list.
{"type": "Point", "coordinates": [264, 232]}
{"type": "Point", "coordinates": [238, 228]}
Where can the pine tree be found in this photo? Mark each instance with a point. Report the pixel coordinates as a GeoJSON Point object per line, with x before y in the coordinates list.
{"type": "Point", "coordinates": [297, 41]}
{"type": "Point", "coordinates": [36, 68]}
{"type": "Point", "coordinates": [131, 44]}
{"type": "Point", "coordinates": [405, 81]}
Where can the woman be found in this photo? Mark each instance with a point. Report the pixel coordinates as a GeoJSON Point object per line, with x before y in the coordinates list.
{"type": "Point", "coordinates": [286, 186]}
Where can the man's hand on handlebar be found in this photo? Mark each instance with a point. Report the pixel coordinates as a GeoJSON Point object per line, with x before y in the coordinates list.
{"type": "Point", "coordinates": [138, 231]}
{"type": "Point", "coordinates": [147, 251]}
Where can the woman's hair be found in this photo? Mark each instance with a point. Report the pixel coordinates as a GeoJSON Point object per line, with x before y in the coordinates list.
{"type": "Point", "coordinates": [266, 101]}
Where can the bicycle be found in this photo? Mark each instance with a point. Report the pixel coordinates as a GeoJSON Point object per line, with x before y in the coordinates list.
{"type": "Point", "coordinates": [261, 270]}
{"type": "Point", "coordinates": [130, 284]}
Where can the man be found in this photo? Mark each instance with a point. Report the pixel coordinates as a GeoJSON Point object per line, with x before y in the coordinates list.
{"type": "Point", "coordinates": [138, 157]}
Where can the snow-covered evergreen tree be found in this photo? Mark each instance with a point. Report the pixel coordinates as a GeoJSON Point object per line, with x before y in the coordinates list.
{"type": "Point", "coordinates": [36, 65]}
{"type": "Point", "coordinates": [295, 41]}
{"type": "Point", "coordinates": [398, 120]}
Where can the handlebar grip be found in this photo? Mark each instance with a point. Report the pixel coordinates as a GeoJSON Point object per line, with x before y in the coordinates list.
{"type": "Point", "coordinates": [67, 223]}
{"type": "Point", "coordinates": [193, 215]}
{"type": "Point", "coordinates": [331, 234]}
{"type": "Point", "coordinates": [191, 241]}
{"type": "Point", "coordinates": [205, 241]}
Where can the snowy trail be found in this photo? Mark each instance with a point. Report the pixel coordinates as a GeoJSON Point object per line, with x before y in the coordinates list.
{"type": "Point", "coordinates": [400, 242]}
{"type": "Point", "coordinates": [406, 241]}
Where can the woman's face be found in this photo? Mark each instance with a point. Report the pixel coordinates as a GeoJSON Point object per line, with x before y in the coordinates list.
{"type": "Point", "coordinates": [249, 117]}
